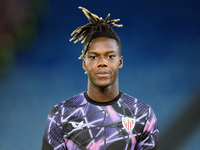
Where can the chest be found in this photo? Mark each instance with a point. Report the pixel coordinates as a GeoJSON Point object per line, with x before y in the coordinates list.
{"type": "Point", "coordinates": [100, 128]}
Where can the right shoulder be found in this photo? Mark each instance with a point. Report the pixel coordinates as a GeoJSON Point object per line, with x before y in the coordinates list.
{"type": "Point", "coordinates": [71, 103]}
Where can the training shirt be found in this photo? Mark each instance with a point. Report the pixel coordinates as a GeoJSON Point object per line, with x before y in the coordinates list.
{"type": "Point", "coordinates": [79, 123]}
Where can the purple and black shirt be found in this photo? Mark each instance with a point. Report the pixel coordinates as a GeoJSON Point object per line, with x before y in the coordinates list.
{"type": "Point", "coordinates": [80, 123]}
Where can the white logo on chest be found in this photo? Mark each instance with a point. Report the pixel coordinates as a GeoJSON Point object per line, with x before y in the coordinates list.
{"type": "Point", "coordinates": [77, 125]}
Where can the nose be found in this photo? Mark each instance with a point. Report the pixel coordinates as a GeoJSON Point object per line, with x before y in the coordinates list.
{"type": "Point", "coordinates": [102, 62]}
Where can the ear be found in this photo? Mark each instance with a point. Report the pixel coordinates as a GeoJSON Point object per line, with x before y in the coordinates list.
{"type": "Point", "coordinates": [83, 64]}
{"type": "Point", "coordinates": [121, 62]}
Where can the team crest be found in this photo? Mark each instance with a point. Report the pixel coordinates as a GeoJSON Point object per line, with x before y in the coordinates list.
{"type": "Point", "coordinates": [128, 123]}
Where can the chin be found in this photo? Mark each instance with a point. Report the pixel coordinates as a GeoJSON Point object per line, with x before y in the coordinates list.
{"type": "Point", "coordinates": [103, 85]}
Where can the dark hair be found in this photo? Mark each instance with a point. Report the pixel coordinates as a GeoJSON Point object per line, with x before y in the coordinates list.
{"type": "Point", "coordinates": [95, 29]}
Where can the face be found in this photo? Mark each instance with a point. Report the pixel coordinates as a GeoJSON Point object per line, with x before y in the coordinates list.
{"type": "Point", "coordinates": [102, 62]}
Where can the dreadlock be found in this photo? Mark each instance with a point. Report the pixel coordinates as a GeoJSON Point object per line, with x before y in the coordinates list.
{"type": "Point", "coordinates": [96, 28]}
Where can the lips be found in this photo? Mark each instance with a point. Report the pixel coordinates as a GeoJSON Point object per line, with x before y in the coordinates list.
{"type": "Point", "coordinates": [103, 74]}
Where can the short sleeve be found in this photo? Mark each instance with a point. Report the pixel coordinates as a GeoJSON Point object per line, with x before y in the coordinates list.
{"type": "Point", "coordinates": [53, 134]}
{"type": "Point", "coordinates": [149, 140]}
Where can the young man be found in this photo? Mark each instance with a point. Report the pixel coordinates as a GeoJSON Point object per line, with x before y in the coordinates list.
{"type": "Point", "coordinates": [102, 117]}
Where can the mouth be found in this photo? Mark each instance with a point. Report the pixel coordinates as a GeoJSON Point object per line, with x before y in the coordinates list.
{"type": "Point", "coordinates": [103, 74]}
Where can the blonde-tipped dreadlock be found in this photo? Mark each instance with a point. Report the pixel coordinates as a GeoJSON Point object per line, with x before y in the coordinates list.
{"type": "Point", "coordinates": [96, 28]}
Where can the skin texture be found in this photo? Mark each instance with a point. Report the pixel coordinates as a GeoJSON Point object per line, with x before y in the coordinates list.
{"type": "Point", "coordinates": [102, 63]}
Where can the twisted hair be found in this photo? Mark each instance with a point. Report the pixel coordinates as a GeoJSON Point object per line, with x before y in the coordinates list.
{"type": "Point", "coordinates": [97, 27]}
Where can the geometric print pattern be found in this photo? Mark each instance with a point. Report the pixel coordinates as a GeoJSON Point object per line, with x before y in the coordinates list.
{"type": "Point", "coordinates": [82, 124]}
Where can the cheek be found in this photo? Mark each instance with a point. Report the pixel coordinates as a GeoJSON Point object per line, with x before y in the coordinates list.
{"type": "Point", "coordinates": [89, 66]}
{"type": "Point", "coordinates": [116, 66]}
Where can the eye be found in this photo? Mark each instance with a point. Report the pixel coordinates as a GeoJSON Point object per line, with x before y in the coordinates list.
{"type": "Point", "coordinates": [111, 56]}
{"type": "Point", "coordinates": [93, 57]}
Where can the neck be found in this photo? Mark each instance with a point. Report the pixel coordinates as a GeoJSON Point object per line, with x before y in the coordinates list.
{"type": "Point", "coordinates": [103, 94]}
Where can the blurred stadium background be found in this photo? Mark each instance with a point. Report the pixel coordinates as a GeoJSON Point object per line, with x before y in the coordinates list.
{"type": "Point", "coordinates": [39, 66]}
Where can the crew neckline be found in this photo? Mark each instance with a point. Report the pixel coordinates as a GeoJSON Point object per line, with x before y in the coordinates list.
{"type": "Point", "coordinates": [102, 103]}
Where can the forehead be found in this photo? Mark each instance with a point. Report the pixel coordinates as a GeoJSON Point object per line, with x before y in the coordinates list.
{"type": "Point", "coordinates": [103, 44]}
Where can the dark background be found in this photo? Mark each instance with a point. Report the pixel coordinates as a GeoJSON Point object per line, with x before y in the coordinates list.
{"type": "Point", "coordinates": [39, 67]}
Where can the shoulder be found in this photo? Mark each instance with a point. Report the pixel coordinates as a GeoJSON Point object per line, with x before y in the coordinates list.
{"type": "Point", "coordinates": [134, 102]}
{"type": "Point", "coordinates": [71, 103]}
{"type": "Point", "coordinates": [138, 107]}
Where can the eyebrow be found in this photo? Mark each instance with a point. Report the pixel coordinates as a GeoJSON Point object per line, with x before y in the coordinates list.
{"type": "Point", "coordinates": [108, 52]}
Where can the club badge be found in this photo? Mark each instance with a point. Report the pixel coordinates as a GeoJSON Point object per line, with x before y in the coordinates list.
{"type": "Point", "coordinates": [128, 123]}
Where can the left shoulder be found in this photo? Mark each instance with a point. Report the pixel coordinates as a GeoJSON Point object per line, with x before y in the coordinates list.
{"type": "Point", "coordinates": [132, 101]}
